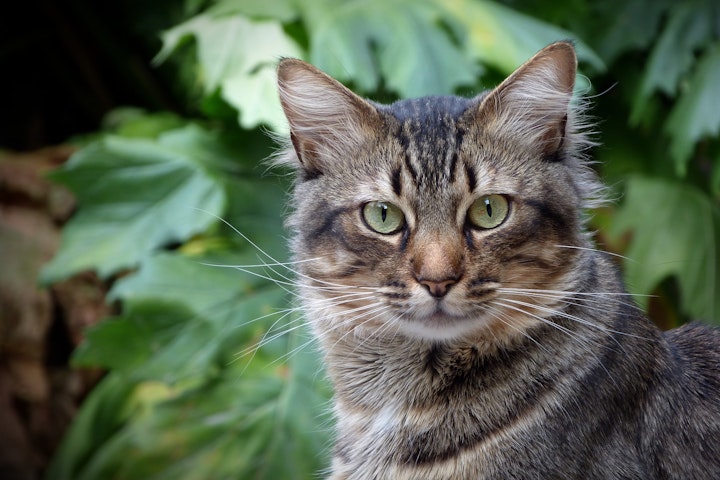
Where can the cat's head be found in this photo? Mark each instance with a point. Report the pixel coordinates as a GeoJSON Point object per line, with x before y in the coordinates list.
{"type": "Point", "coordinates": [437, 217]}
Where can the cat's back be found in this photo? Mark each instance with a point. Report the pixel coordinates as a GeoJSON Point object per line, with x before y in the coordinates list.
{"type": "Point", "coordinates": [681, 436]}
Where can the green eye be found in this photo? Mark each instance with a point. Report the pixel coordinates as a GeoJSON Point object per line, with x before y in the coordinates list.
{"type": "Point", "coordinates": [383, 217]}
{"type": "Point", "coordinates": [488, 211]}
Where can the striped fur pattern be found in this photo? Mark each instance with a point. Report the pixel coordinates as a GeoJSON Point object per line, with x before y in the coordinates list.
{"type": "Point", "coordinates": [459, 352]}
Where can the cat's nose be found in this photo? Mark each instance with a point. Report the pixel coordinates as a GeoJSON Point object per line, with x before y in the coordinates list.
{"type": "Point", "coordinates": [438, 263]}
{"type": "Point", "coordinates": [438, 289]}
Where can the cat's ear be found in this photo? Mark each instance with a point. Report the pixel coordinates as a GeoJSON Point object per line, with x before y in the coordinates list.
{"type": "Point", "coordinates": [326, 119]}
{"type": "Point", "coordinates": [532, 104]}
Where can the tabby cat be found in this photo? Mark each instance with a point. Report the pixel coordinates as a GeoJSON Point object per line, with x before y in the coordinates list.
{"type": "Point", "coordinates": [470, 329]}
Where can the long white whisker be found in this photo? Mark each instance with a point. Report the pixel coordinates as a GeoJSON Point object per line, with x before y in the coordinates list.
{"type": "Point", "coordinates": [566, 292]}
{"type": "Point", "coordinates": [261, 265]}
{"type": "Point", "coordinates": [498, 314]}
{"type": "Point", "coordinates": [562, 314]}
{"type": "Point", "coordinates": [588, 249]}
{"type": "Point", "coordinates": [337, 301]}
{"type": "Point", "coordinates": [374, 311]}
{"type": "Point", "coordinates": [239, 233]}
{"type": "Point", "coordinates": [557, 326]}
{"type": "Point", "coordinates": [597, 301]}
{"type": "Point", "coordinates": [267, 255]}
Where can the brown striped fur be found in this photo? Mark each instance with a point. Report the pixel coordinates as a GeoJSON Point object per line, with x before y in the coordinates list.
{"type": "Point", "coordinates": [462, 353]}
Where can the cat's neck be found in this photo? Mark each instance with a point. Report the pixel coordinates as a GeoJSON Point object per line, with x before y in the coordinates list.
{"type": "Point", "coordinates": [369, 372]}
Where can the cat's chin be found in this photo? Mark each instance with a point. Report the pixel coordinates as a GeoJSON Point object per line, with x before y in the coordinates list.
{"type": "Point", "coordinates": [442, 326]}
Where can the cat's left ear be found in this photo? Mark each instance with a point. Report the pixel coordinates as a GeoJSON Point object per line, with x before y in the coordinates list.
{"type": "Point", "coordinates": [327, 121]}
{"type": "Point", "coordinates": [532, 104]}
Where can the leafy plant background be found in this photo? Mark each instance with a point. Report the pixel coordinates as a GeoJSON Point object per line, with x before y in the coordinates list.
{"type": "Point", "coordinates": [210, 372]}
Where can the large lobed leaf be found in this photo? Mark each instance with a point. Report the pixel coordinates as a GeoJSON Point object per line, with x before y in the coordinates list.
{"type": "Point", "coordinates": [238, 55]}
{"type": "Point", "coordinates": [696, 115]}
{"type": "Point", "coordinates": [200, 397]}
{"type": "Point", "coordinates": [410, 47]}
{"type": "Point", "coordinates": [396, 41]}
{"type": "Point", "coordinates": [135, 196]}
{"type": "Point", "coordinates": [260, 422]}
{"type": "Point", "coordinates": [684, 65]}
{"type": "Point", "coordinates": [505, 38]}
{"type": "Point", "coordinates": [675, 231]}
{"type": "Point", "coordinates": [626, 26]}
{"type": "Point", "coordinates": [674, 54]}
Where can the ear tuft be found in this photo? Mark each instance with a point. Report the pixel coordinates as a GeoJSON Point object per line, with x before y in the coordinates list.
{"type": "Point", "coordinates": [533, 103]}
{"type": "Point", "coordinates": [327, 121]}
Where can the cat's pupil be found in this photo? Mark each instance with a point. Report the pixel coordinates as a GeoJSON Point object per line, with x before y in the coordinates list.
{"type": "Point", "coordinates": [384, 212]}
{"type": "Point", "coordinates": [488, 207]}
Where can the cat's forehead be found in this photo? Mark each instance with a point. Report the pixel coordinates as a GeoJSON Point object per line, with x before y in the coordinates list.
{"type": "Point", "coordinates": [429, 138]}
{"type": "Point", "coordinates": [429, 110]}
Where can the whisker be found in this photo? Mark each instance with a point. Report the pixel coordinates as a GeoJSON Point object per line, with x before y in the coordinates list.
{"type": "Point", "coordinates": [239, 233]}
{"type": "Point", "coordinates": [559, 313]}
{"type": "Point", "coordinates": [597, 301]}
{"type": "Point", "coordinates": [267, 339]}
{"type": "Point", "coordinates": [329, 302]}
{"type": "Point", "coordinates": [499, 315]}
{"type": "Point", "coordinates": [375, 311]}
{"type": "Point", "coordinates": [588, 249]}
{"type": "Point", "coordinates": [535, 316]}
{"type": "Point", "coordinates": [270, 257]}
{"type": "Point", "coordinates": [585, 342]}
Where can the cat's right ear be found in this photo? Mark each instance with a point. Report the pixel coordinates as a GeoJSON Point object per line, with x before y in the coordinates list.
{"type": "Point", "coordinates": [327, 120]}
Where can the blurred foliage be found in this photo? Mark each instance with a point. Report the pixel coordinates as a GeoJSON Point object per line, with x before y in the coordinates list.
{"type": "Point", "coordinates": [211, 372]}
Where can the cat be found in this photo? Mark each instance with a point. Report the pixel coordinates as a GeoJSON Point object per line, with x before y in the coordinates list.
{"type": "Point", "coordinates": [469, 328]}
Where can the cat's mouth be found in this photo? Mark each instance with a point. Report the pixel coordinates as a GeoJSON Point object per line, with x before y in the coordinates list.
{"type": "Point", "coordinates": [443, 319]}
{"type": "Point", "coordinates": [441, 323]}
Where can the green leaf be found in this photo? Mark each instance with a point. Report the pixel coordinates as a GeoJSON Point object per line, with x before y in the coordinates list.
{"type": "Point", "coordinates": [398, 41]}
{"type": "Point", "coordinates": [715, 178]}
{"type": "Point", "coordinates": [238, 55]}
{"type": "Point", "coordinates": [137, 123]}
{"type": "Point", "coordinates": [696, 114]}
{"type": "Point", "coordinates": [135, 196]}
{"type": "Point", "coordinates": [688, 28]}
{"type": "Point", "coordinates": [675, 231]}
{"type": "Point", "coordinates": [504, 38]}
{"type": "Point", "coordinates": [180, 322]}
{"type": "Point", "coordinates": [282, 10]}
{"type": "Point", "coordinates": [266, 421]}
{"type": "Point", "coordinates": [126, 343]}
{"type": "Point", "coordinates": [103, 412]}
{"type": "Point", "coordinates": [625, 26]}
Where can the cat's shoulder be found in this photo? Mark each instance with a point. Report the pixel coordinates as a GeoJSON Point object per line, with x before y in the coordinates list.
{"type": "Point", "coordinates": [696, 347]}
{"type": "Point", "coordinates": [695, 337]}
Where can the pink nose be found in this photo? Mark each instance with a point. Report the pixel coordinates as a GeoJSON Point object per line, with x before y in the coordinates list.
{"type": "Point", "coordinates": [438, 289]}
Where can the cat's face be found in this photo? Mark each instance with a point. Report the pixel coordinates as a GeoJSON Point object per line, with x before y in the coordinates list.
{"type": "Point", "coordinates": [438, 217]}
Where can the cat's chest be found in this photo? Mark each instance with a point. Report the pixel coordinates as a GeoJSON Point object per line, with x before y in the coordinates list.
{"type": "Point", "coordinates": [399, 442]}
{"type": "Point", "coordinates": [431, 410]}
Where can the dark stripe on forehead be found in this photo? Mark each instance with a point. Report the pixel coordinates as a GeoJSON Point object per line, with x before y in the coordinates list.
{"type": "Point", "coordinates": [396, 180]}
{"type": "Point", "coordinates": [459, 135]}
{"type": "Point", "coordinates": [453, 166]}
{"type": "Point", "coordinates": [411, 170]}
{"type": "Point", "coordinates": [471, 177]}
{"type": "Point", "coordinates": [402, 139]}
{"type": "Point", "coordinates": [404, 142]}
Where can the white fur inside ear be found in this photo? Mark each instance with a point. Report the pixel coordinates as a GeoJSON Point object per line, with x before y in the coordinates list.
{"type": "Point", "coordinates": [534, 102]}
{"type": "Point", "coordinates": [326, 119]}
